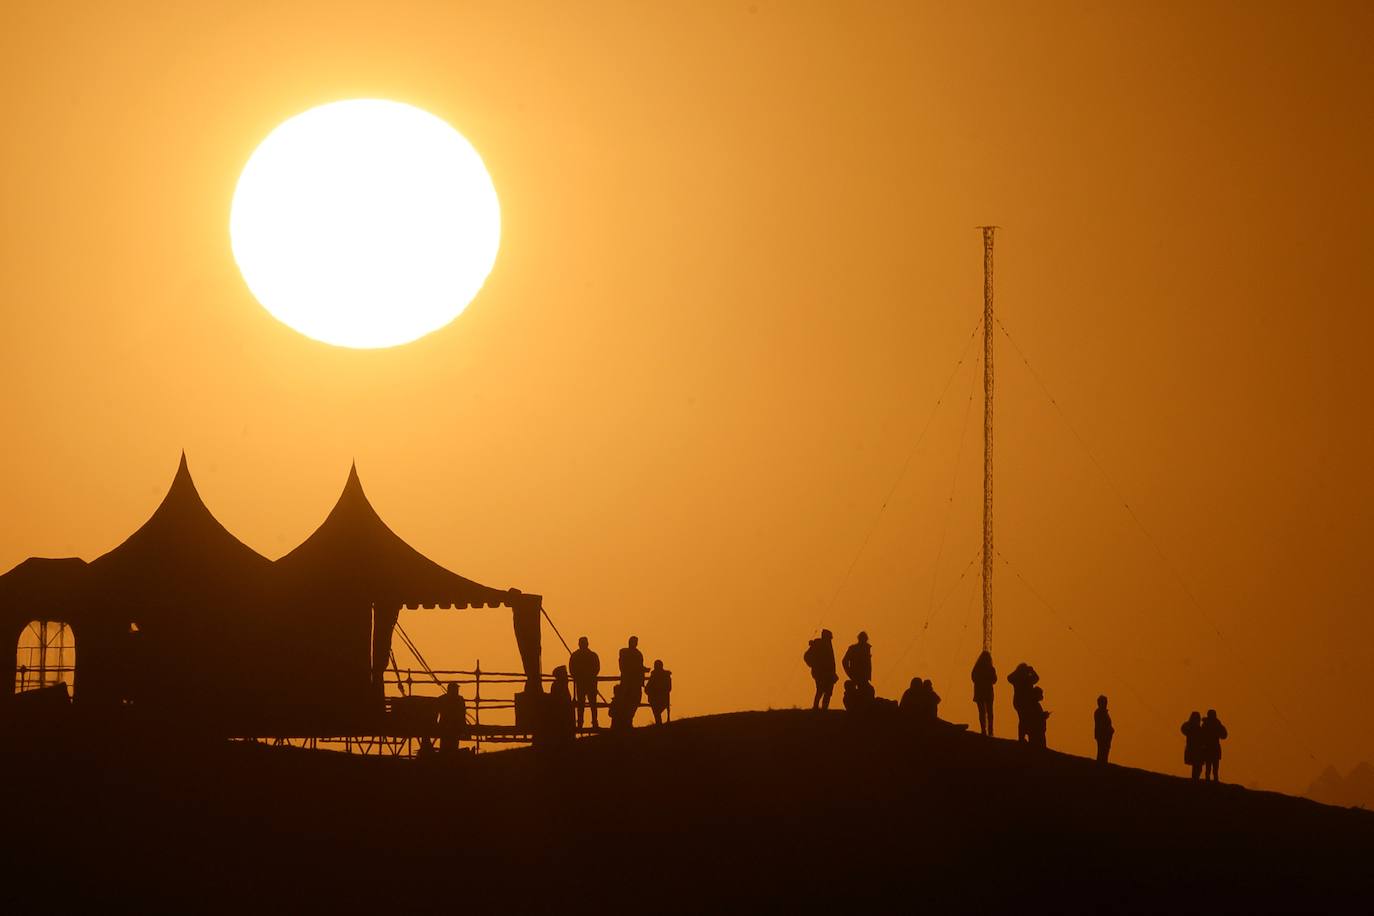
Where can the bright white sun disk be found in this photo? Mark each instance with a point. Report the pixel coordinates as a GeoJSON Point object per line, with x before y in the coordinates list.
{"type": "Point", "coordinates": [365, 223]}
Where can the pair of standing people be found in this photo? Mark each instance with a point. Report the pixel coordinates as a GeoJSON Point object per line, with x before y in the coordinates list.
{"type": "Point", "coordinates": [1202, 744]}
{"type": "Point", "coordinates": [857, 664]}
{"type": "Point", "coordinates": [1026, 699]}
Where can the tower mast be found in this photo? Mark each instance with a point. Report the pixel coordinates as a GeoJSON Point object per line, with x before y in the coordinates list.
{"type": "Point", "coordinates": [987, 436]}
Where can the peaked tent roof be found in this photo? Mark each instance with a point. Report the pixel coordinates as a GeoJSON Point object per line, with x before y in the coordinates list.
{"type": "Point", "coordinates": [358, 554]}
{"type": "Point", "coordinates": [181, 550]}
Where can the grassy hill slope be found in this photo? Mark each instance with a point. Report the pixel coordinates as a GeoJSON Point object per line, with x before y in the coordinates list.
{"type": "Point", "coordinates": [779, 810]}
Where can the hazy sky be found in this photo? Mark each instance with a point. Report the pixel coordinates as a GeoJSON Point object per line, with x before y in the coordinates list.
{"type": "Point", "coordinates": [738, 266]}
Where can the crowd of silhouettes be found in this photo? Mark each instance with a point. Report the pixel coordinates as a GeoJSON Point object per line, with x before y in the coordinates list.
{"type": "Point", "coordinates": [574, 689]}
{"type": "Point", "coordinates": [920, 703]}
{"type": "Point", "coordinates": [563, 713]}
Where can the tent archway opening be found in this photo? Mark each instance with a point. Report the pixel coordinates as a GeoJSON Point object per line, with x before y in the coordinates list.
{"type": "Point", "coordinates": [45, 655]}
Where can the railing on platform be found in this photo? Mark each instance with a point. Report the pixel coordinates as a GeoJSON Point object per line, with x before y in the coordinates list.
{"type": "Point", "coordinates": [488, 695]}
{"type": "Point", "coordinates": [401, 683]}
{"type": "Point", "coordinates": [406, 682]}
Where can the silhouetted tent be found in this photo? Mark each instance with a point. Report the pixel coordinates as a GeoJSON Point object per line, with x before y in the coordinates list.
{"type": "Point", "coordinates": [344, 587]}
{"type": "Point", "coordinates": [199, 600]}
{"type": "Point", "coordinates": [183, 620]}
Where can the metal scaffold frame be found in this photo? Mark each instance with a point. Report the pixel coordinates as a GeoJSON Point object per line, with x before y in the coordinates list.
{"type": "Point", "coordinates": [405, 681]}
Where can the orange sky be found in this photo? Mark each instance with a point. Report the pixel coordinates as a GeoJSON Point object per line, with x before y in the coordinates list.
{"type": "Point", "coordinates": [738, 266]}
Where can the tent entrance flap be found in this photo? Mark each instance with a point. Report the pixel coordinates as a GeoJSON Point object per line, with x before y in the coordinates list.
{"type": "Point", "coordinates": [384, 619]}
{"type": "Point", "coordinates": [525, 613]}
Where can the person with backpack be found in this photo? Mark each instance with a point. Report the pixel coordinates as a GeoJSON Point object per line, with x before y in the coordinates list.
{"type": "Point", "coordinates": [820, 658]}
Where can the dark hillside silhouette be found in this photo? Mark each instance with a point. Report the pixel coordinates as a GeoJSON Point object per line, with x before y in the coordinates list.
{"type": "Point", "coordinates": [778, 811]}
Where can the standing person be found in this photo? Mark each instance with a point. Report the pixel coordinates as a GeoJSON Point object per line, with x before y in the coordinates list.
{"type": "Point", "coordinates": [558, 710]}
{"type": "Point", "coordinates": [660, 684]}
{"type": "Point", "coordinates": [820, 658]}
{"type": "Point", "coordinates": [931, 702]}
{"type": "Point", "coordinates": [858, 661]}
{"type": "Point", "coordinates": [1036, 717]}
{"type": "Point", "coordinates": [1212, 733]}
{"type": "Point", "coordinates": [584, 665]}
{"type": "Point", "coordinates": [984, 676]}
{"type": "Point", "coordinates": [913, 702]}
{"type": "Point", "coordinates": [1023, 679]}
{"type": "Point", "coordinates": [1192, 742]}
{"type": "Point", "coordinates": [1102, 730]}
{"type": "Point", "coordinates": [631, 687]}
{"type": "Point", "coordinates": [453, 720]}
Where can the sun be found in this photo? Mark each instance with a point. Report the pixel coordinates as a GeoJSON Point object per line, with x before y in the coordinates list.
{"type": "Point", "coordinates": [365, 223]}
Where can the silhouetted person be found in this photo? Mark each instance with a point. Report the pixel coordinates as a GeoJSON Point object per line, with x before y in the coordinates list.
{"type": "Point", "coordinates": [584, 665]}
{"type": "Point", "coordinates": [629, 693]}
{"type": "Point", "coordinates": [1037, 718]}
{"type": "Point", "coordinates": [984, 676]}
{"type": "Point", "coordinates": [453, 720]}
{"type": "Point", "coordinates": [859, 696]}
{"type": "Point", "coordinates": [657, 688]}
{"type": "Point", "coordinates": [913, 702]}
{"type": "Point", "coordinates": [1192, 742]}
{"type": "Point", "coordinates": [858, 661]}
{"type": "Point", "coordinates": [1029, 715]}
{"type": "Point", "coordinates": [820, 658]}
{"type": "Point", "coordinates": [557, 718]}
{"type": "Point", "coordinates": [1102, 729]}
{"type": "Point", "coordinates": [1212, 734]}
{"type": "Point", "coordinates": [624, 702]}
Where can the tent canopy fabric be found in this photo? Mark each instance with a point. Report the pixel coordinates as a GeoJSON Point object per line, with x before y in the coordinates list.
{"type": "Point", "coordinates": [355, 552]}
{"type": "Point", "coordinates": [42, 586]}
{"type": "Point", "coordinates": [182, 613]}
{"type": "Point", "coordinates": [179, 558]}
